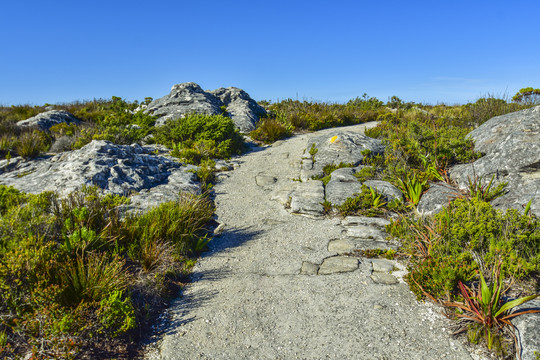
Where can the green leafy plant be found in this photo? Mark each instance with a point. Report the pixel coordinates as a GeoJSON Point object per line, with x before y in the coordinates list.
{"type": "Point", "coordinates": [369, 203]}
{"type": "Point", "coordinates": [484, 310]}
{"type": "Point", "coordinates": [478, 190]}
{"type": "Point", "coordinates": [117, 313]}
{"type": "Point", "coordinates": [31, 144]}
{"type": "Point", "coordinates": [411, 187]}
{"type": "Point", "coordinates": [313, 151]}
{"type": "Point", "coordinates": [93, 277]}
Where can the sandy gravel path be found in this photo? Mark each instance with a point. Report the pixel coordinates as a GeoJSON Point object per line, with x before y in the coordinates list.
{"type": "Point", "coordinates": [248, 299]}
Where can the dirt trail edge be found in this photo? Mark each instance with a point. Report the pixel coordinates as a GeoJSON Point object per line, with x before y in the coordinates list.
{"type": "Point", "coordinates": [249, 299]}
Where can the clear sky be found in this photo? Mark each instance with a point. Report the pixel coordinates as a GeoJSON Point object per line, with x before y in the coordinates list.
{"type": "Point", "coordinates": [422, 51]}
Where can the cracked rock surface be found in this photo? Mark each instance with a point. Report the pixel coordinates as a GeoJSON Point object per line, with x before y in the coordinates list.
{"type": "Point", "coordinates": [260, 292]}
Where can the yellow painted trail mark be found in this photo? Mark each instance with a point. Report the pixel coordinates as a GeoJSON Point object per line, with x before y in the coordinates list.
{"type": "Point", "coordinates": [333, 139]}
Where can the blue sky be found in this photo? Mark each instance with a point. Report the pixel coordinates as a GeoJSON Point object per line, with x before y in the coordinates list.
{"type": "Point", "coordinates": [423, 51]}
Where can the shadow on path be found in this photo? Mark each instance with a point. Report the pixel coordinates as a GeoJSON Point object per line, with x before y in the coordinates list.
{"type": "Point", "coordinates": [230, 239]}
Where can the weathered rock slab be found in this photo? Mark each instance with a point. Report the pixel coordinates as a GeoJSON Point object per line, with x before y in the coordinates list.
{"type": "Point", "coordinates": [117, 169]}
{"type": "Point", "coordinates": [265, 180]}
{"type": "Point", "coordinates": [307, 198]}
{"type": "Point", "coordinates": [365, 220]}
{"type": "Point", "coordinates": [383, 278]}
{"type": "Point", "coordinates": [338, 264]}
{"type": "Point", "coordinates": [48, 119]}
{"type": "Point", "coordinates": [436, 197]}
{"type": "Point", "coordinates": [389, 191]}
{"type": "Point", "coordinates": [342, 147]}
{"type": "Point", "coordinates": [309, 268]}
{"type": "Point", "coordinates": [528, 329]}
{"type": "Point", "coordinates": [382, 265]}
{"type": "Point", "coordinates": [244, 111]}
{"type": "Point", "coordinates": [348, 245]}
{"type": "Point", "coordinates": [511, 144]}
{"type": "Point", "coordinates": [364, 232]}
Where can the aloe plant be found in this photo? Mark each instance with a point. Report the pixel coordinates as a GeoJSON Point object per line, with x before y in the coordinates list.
{"type": "Point", "coordinates": [412, 188]}
{"type": "Point", "coordinates": [485, 311]}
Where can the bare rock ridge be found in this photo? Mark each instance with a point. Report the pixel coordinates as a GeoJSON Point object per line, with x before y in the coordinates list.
{"type": "Point", "coordinates": [190, 98]}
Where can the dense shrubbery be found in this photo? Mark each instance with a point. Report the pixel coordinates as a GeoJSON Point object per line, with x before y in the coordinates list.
{"type": "Point", "coordinates": [269, 131]}
{"type": "Point", "coordinates": [200, 137]}
{"type": "Point", "coordinates": [306, 115]}
{"type": "Point", "coordinates": [467, 236]}
{"type": "Point", "coordinates": [113, 120]}
{"type": "Point", "coordinates": [73, 273]}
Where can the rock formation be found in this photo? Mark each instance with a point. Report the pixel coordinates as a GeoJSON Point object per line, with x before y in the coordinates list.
{"type": "Point", "coordinates": [188, 98]}
{"type": "Point", "coordinates": [48, 119]}
{"type": "Point", "coordinates": [511, 147]}
{"type": "Point", "coordinates": [117, 169]}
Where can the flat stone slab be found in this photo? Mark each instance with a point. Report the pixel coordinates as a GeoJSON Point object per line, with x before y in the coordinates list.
{"type": "Point", "coordinates": [265, 180]}
{"type": "Point", "coordinates": [342, 146]}
{"type": "Point", "coordinates": [309, 268]}
{"type": "Point", "coordinates": [338, 264]}
{"type": "Point", "coordinates": [365, 232]}
{"type": "Point", "coordinates": [337, 191]}
{"type": "Point", "coordinates": [307, 199]}
{"type": "Point", "coordinates": [382, 265]}
{"type": "Point", "coordinates": [364, 220]}
{"type": "Point", "coordinates": [384, 278]}
{"type": "Point", "coordinates": [348, 245]}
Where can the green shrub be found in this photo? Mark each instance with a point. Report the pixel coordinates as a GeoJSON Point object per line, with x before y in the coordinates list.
{"type": "Point", "coordinates": [117, 313]}
{"type": "Point", "coordinates": [93, 277]}
{"type": "Point", "coordinates": [31, 144]}
{"type": "Point", "coordinates": [527, 96]}
{"type": "Point", "coordinates": [305, 115]}
{"type": "Point", "coordinates": [368, 203]}
{"type": "Point", "coordinates": [269, 131]}
{"type": "Point", "coordinates": [196, 137]}
{"type": "Point", "coordinates": [73, 274]}
{"type": "Point", "coordinates": [179, 223]}
{"type": "Point", "coordinates": [442, 245]}
{"type": "Point", "coordinates": [9, 197]}
{"type": "Point", "coordinates": [364, 174]}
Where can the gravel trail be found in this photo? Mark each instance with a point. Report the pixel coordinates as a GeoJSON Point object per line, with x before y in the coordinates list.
{"type": "Point", "coordinates": [249, 300]}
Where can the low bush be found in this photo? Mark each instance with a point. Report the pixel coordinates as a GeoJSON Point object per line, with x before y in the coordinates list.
{"type": "Point", "coordinates": [468, 235]}
{"type": "Point", "coordinates": [197, 137]}
{"type": "Point", "coordinates": [269, 131]}
{"type": "Point", "coordinates": [368, 203]}
{"type": "Point", "coordinates": [306, 115]}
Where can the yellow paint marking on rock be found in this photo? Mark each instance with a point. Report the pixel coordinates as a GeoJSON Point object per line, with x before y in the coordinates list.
{"type": "Point", "coordinates": [334, 138]}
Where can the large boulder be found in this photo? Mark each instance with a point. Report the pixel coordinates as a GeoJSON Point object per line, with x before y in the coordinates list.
{"type": "Point", "coordinates": [244, 111]}
{"type": "Point", "coordinates": [511, 147]}
{"type": "Point", "coordinates": [47, 119]}
{"type": "Point", "coordinates": [117, 169]}
{"type": "Point", "coordinates": [190, 98]}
